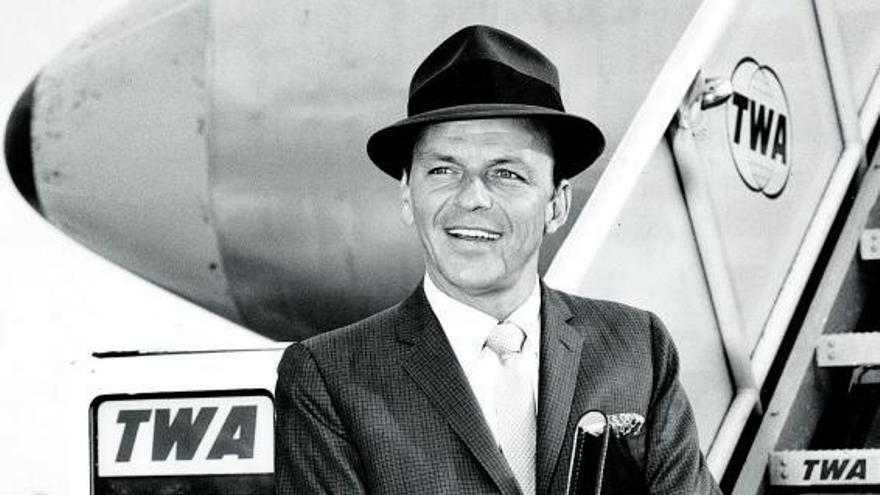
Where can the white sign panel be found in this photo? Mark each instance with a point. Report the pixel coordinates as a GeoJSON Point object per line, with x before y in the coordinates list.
{"type": "Point", "coordinates": [185, 436]}
{"type": "Point", "coordinates": [825, 467]}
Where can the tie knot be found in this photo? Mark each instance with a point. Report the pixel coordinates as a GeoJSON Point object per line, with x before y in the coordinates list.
{"type": "Point", "coordinates": [505, 338]}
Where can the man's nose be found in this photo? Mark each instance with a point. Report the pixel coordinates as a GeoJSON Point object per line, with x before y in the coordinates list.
{"type": "Point", "coordinates": [473, 194]}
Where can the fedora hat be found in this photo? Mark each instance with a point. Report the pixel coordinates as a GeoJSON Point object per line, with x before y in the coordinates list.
{"type": "Point", "coordinates": [479, 73]}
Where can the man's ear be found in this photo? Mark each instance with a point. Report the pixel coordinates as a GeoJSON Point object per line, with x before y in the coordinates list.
{"type": "Point", "coordinates": [406, 213]}
{"type": "Point", "coordinates": [558, 207]}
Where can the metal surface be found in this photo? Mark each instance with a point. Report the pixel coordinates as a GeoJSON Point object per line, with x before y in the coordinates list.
{"type": "Point", "coordinates": [311, 229]}
{"type": "Point", "coordinates": [633, 241]}
{"type": "Point", "coordinates": [825, 467]}
{"type": "Point", "coordinates": [769, 239]}
{"type": "Point", "coordinates": [635, 149]}
{"type": "Point", "coordinates": [848, 349]}
{"type": "Point", "coordinates": [794, 410]}
{"type": "Point", "coordinates": [684, 134]}
{"type": "Point", "coordinates": [831, 199]}
{"type": "Point", "coordinates": [870, 109]}
{"type": "Point", "coordinates": [858, 21]}
{"type": "Point", "coordinates": [119, 151]}
{"type": "Point", "coordinates": [764, 232]}
{"type": "Point", "coordinates": [217, 147]}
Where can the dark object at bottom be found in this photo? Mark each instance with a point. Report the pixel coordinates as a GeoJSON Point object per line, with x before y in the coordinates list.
{"type": "Point", "coordinates": [590, 448]}
{"type": "Point", "coordinates": [243, 484]}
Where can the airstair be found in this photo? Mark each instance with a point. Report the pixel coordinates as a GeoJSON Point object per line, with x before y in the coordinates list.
{"type": "Point", "coordinates": [821, 429]}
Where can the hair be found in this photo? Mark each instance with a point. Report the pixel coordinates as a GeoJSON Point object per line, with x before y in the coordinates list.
{"type": "Point", "coordinates": [536, 126]}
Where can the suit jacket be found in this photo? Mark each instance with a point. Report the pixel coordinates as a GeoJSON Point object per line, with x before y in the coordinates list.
{"type": "Point", "coordinates": [382, 406]}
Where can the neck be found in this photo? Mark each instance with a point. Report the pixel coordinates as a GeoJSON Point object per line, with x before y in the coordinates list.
{"type": "Point", "coordinates": [498, 303]}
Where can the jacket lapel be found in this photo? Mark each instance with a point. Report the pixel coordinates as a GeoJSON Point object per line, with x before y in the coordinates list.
{"type": "Point", "coordinates": [561, 345]}
{"type": "Point", "coordinates": [431, 363]}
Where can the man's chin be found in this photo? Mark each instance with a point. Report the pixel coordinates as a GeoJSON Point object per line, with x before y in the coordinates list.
{"type": "Point", "coordinates": [475, 281]}
{"type": "Point", "coordinates": [478, 285]}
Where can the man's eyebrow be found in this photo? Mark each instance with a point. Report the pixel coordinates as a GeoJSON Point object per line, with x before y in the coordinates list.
{"type": "Point", "coordinates": [438, 156]}
{"type": "Point", "coordinates": [506, 160]}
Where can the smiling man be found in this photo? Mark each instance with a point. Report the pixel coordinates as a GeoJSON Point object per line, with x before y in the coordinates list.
{"type": "Point", "coordinates": [474, 383]}
{"type": "Point", "coordinates": [481, 196]}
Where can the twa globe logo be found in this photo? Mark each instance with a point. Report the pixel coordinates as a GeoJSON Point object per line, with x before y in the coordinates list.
{"type": "Point", "coordinates": [758, 128]}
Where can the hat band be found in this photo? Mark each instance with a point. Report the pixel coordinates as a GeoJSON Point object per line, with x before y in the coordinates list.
{"type": "Point", "coordinates": [483, 82]}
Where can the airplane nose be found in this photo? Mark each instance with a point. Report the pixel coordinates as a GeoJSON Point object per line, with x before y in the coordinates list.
{"type": "Point", "coordinates": [19, 158]}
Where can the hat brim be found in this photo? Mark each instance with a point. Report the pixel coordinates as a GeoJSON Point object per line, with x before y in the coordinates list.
{"type": "Point", "coordinates": [577, 142]}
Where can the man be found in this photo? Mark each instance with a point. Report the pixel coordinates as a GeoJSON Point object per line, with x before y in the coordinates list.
{"type": "Point", "coordinates": [475, 382]}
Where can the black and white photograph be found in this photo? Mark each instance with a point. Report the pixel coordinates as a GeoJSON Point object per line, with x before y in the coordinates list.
{"type": "Point", "coordinates": [440, 247]}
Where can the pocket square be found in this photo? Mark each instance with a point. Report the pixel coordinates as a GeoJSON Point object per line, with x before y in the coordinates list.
{"type": "Point", "coordinates": [626, 424]}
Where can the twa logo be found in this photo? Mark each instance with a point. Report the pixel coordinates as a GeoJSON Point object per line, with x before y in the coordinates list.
{"type": "Point", "coordinates": [835, 469]}
{"type": "Point", "coordinates": [235, 437]}
{"type": "Point", "coordinates": [758, 128]}
{"type": "Point", "coordinates": [199, 435]}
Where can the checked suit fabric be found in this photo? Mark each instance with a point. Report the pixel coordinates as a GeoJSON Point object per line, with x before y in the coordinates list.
{"type": "Point", "coordinates": [382, 406]}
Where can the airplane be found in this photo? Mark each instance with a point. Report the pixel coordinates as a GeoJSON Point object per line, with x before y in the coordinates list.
{"type": "Point", "coordinates": [216, 150]}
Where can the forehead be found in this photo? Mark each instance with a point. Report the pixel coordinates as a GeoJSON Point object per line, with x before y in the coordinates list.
{"type": "Point", "coordinates": [506, 134]}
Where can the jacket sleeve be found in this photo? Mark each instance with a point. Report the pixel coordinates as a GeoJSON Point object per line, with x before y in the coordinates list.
{"type": "Point", "coordinates": [313, 453]}
{"type": "Point", "coordinates": [674, 462]}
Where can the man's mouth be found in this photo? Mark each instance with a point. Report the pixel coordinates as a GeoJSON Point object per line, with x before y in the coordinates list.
{"type": "Point", "coordinates": [472, 234]}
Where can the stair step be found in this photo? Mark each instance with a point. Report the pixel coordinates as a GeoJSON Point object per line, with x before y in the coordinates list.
{"type": "Point", "coordinates": [848, 349]}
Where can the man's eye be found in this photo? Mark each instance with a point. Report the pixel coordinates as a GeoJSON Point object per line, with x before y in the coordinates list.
{"type": "Point", "coordinates": [503, 173]}
{"type": "Point", "coordinates": [440, 171]}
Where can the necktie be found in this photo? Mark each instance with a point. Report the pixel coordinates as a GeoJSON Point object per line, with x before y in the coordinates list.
{"type": "Point", "coordinates": [514, 404]}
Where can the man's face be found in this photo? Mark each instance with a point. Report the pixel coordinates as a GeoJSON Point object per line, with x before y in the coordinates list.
{"type": "Point", "coordinates": [481, 196]}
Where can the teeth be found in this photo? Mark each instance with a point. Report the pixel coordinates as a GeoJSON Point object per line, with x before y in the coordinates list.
{"type": "Point", "coordinates": [474, 234]}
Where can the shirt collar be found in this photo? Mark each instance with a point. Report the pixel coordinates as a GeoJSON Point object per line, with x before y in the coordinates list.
{"type": "Point", "coordinates": [528, 317]}
{"type": "Point", "coordinates": [467, 327]}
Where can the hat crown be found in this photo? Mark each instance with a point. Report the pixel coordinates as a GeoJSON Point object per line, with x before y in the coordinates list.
{"type": "Point", "coordinates": [484, 65]}
{"type": "Point", "coordinates": [484, 73]}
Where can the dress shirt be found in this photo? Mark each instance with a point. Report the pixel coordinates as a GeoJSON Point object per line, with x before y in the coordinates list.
{"type": "Point", "coordinates": [466, 328]}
